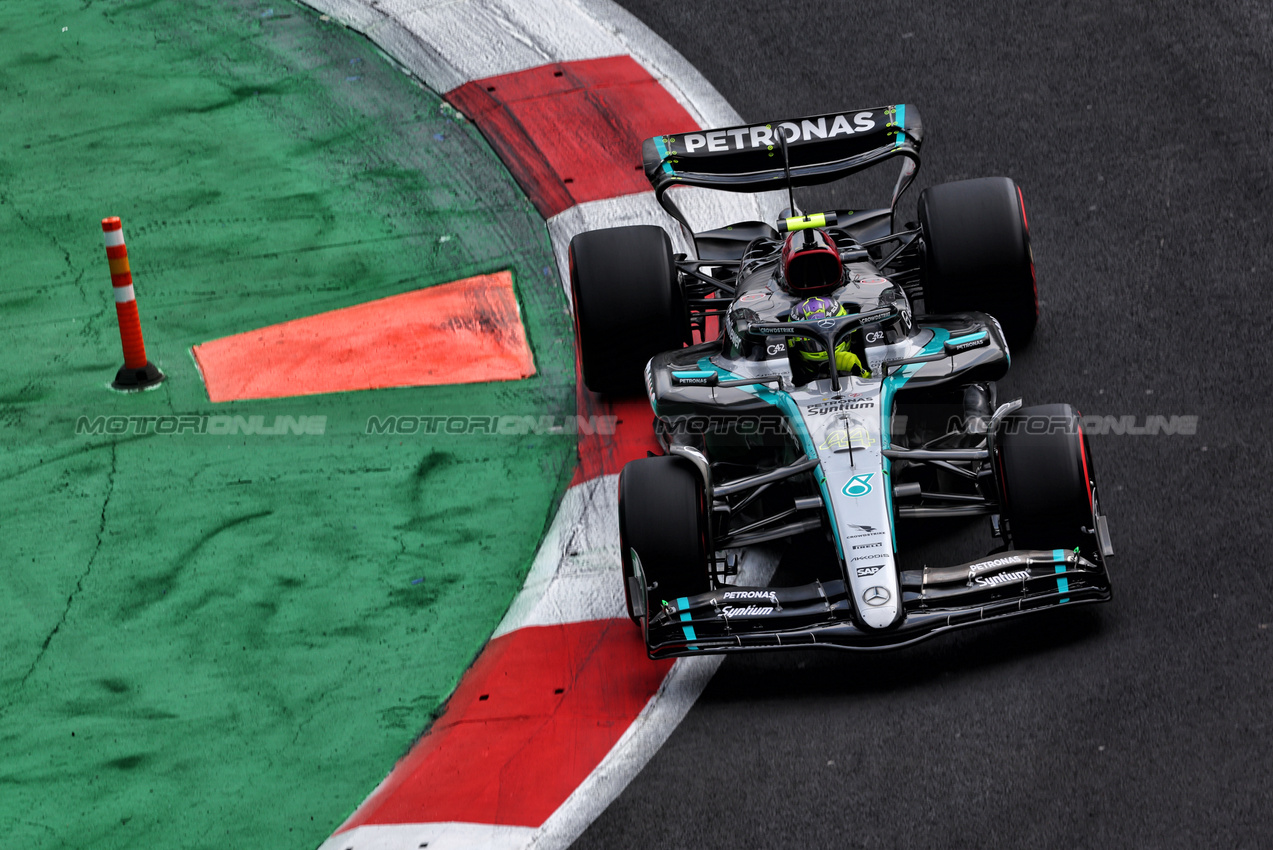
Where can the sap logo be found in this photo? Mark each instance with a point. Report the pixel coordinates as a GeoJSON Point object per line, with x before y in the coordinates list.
{"type": "Point", "coordinates": [741, 138]}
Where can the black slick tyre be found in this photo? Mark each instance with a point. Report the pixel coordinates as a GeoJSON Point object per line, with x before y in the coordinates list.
{"type": "Point", "coordinates": [662, 531]}
{"type": "Point", "coordinates": [627, 302]}
{"type": "Point", "coordinates": [977, 253]}
{"type": "Point", "coordinates": [1046, 475]}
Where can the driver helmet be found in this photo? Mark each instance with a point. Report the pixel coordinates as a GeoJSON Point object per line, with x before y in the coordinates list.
{"type": "Point", "coordinates": [811, 262]}
{"type": "Point", "coordinates": [817, 307]}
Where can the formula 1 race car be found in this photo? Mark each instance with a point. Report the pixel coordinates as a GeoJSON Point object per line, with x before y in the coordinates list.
{"type": "Point", "coordinates": [796, 388]}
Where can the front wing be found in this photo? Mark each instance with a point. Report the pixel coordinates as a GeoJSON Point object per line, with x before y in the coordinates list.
{"type": "Point", "coordinates": [822, 614]}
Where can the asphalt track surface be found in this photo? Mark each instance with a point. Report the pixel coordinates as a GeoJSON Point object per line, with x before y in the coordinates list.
{"type": "Point", "coordinates": [1141, 139]}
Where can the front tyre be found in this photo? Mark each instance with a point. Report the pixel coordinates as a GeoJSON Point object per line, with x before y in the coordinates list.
{"type": "Point", "coordinates": [628, 304]}
{"type": "Point", "coordinates": [977, 253]}
{"type": "Point", "coordinates": [1046, 474]}
{"type": "Point", "coordinates": [662, 532]}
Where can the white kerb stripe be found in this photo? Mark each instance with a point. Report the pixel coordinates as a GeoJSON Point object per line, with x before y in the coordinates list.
{"type": "Point", "coordinates": [113, 238]}
{"type": "Point", "coordinates": [124, 294]}
{"type": "Point", "coordinates": [438, 836]}
{"type": "Point", "coordinates": [449, 44]}
{"type": "Point", "coordinates": [575, 576]}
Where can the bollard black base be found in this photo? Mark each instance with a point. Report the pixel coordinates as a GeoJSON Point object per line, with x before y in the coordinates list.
{"type": "Point", "coordinates": [144, 378]}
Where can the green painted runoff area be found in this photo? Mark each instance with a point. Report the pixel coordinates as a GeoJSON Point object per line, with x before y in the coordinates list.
{"type": "Point", "coordinates": [226, 639]}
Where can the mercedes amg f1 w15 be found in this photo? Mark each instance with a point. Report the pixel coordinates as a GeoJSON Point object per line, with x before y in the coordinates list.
{"type": "Point", "coordinates": [831, 372]}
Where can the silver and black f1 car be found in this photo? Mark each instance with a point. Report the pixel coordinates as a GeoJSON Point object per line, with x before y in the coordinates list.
{"type": "Point", "coordinates": [798, 388]}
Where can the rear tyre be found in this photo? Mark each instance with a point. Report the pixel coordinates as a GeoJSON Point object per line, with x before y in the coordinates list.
{"type": "Point", "coordinates": [1046, 475]}
{"type": "Point", "coordinates": [662, 531]}
{"type": "Point", "coordinates": [628, 304]}
{"type": "Point", "coordinates": [977, 253]}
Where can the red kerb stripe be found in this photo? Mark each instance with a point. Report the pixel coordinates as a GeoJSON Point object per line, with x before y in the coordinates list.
{"type": "Point", "coordinates": [632, 437]}
{"type": "Point", "coordinates": [529, 721]}
{"type": "Point", "coordinates": [572, 131]}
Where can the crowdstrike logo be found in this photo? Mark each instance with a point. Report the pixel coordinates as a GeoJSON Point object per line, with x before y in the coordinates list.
{"type": "Point", "coordinates": [754, 138]}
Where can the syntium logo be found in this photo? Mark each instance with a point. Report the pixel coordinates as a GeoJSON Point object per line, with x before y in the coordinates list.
{"type": "Point", "coordinates": [766, 136]}
{"type": "Point", "coordinates": [1002, 578]}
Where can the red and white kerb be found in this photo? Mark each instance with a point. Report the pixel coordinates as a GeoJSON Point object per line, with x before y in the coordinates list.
{"type": "Point", "coordinates": [125, 299]}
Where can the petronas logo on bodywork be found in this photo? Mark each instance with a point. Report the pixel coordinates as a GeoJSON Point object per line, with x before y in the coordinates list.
{"type": "Point", "coordinates": [859, 485]}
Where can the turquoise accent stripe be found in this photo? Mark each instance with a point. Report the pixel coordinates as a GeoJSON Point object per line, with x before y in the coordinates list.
{"type": "Point", "coordinates": [901, 124]}
{"type": "Point", "coordinates": [892, 384]}
{"type": "Point", "coordinates": [662, 149]}
{"type": "Point", "coordinates": [959, 340]}
{"type": "Point", "coordinates": [783, 402]}
{"type": "Point", "coordinates": [700, 373]}
{"type": "Point", "coordinates": [681, 604]}
{"type": "Point", "coordinates": [1062, 584]}
{"type": "Point", "coordinates": [778, 399]}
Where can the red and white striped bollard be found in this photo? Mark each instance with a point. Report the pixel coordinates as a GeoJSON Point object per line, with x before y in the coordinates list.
{"type": "Point", "coordinates": [137, 373]}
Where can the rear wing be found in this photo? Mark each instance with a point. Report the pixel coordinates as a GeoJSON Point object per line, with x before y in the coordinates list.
{"type": "Point", "coordinates": [820, 148]}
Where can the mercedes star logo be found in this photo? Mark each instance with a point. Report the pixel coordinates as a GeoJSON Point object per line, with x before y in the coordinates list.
{"type": "Point", "coordinates": [826, 323]}
{"type": "Point", "coordinates": [875, 595]}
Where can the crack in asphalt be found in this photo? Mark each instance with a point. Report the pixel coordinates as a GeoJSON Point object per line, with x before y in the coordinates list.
{"type": "Point", "coordinates": [78, 282]}
{"type": "Point", "coordinates": [79, 582]}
